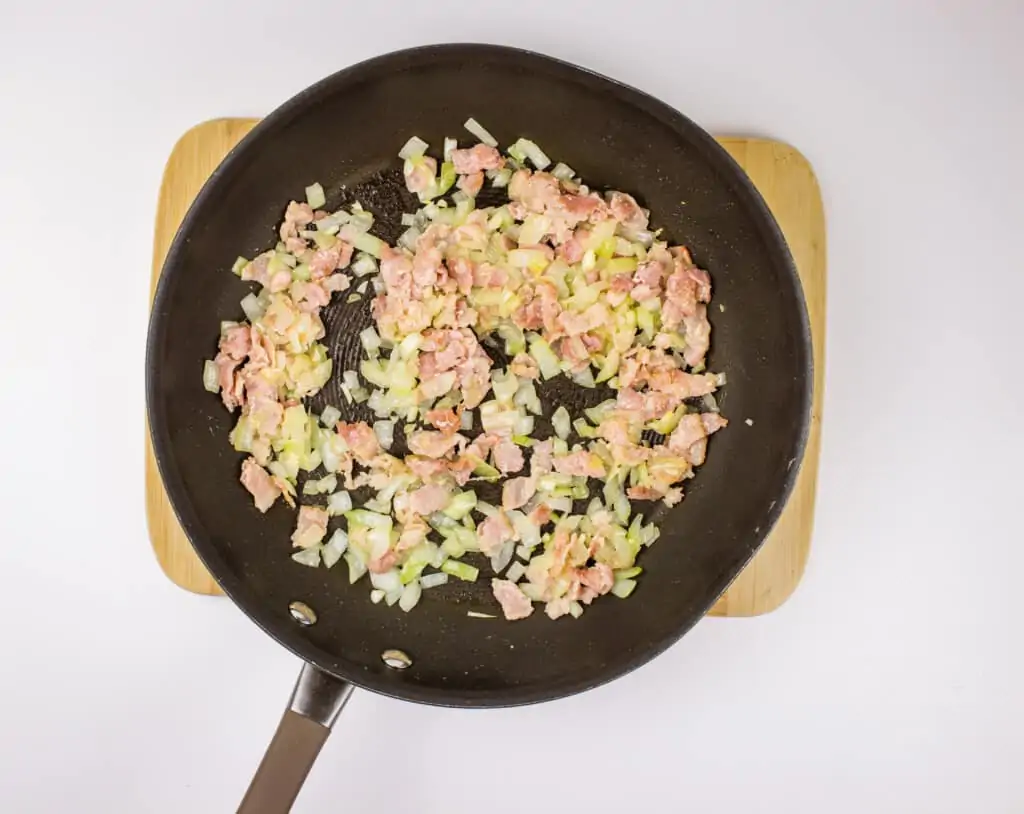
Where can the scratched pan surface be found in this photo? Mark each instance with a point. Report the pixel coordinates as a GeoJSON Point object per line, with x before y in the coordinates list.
{"type": "Point", "coordinates": [344, 132]}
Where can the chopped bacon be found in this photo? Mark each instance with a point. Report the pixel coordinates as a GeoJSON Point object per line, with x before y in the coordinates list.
{"type": "Point", "coordinates": [326, 261]}
{"type": "Point", "coordinates": [384, 563]}
{"type": "Point", "coordinates": [524, 366]}
{"type": "Point", "coordinates": [447, 421]}
{"type": "Point", "coordinates": [260, 485]}
{"type": "Point", "coordinates": [535, 190]}
{"type": "Point", "coordinates": [232, 386]}
{"type": "Point", "coordinates": [582, 463]}
{"type": "Point", "coordinates": [471, 183]}
{"type": "Point", "coordinates": [599, 578]}
{"type": "Point", "coordinates": [432, 444]}
{"type": "Point", "coordinates": [689, 437]}
{"type": "Point", "coordinates": [236, 342]}
{"type": "Point", "coordinates": [514, 603]}
{"type": "Point", "coordinates": [419, 173]}
{"type": "Point", "coordinates": [256, 269]}
{"type": "Point", "coordinates": [627, 211]}
{"type": "Point", "coordinates": [309, 297]}
{"type": "Point", "coordinates": [361, 440]}
{"type": "Point", "coordinates": [516, 492]}
{"type": "Point", "coordinates": [494, 532]}
{"type": "Point", "coordinates": [540, 515]}
{"type": "Point", "coordinates": [311, 527]}
{"type": "Point", "coordinates": [476, 158]}
{"type": "Point", "coordinates": [540, 458]}
{"type": "Point", "coordinates": [429, 499]}
{"type": "Point", "coordinates": [296, 216]}
{"type": "Point", "coordinates": [698, 337]}
{"type": "Point", "coordinates": [413, 533]}
{"type": "Point", "coordinates": [507, 457]}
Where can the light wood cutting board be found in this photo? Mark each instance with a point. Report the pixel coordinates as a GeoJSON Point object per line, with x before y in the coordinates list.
{"type": "Point", "coordinates": [787, 183]}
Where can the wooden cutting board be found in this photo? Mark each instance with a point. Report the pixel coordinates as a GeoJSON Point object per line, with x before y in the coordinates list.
{"type": "Point", "coordinates": [787, 183]}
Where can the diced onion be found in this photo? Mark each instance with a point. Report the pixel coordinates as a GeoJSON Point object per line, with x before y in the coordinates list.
{"type": "Point", "coordinates": [410, 596]}
{"type": "Point", "coordinates": [515, 571]}
{"type": "Point", "coordinates": [413, 148]}
{"type": "Point", "coordinates": [408, 238]}
{"type": "Point", "coordinates": [315, 196]}
{"type": "Point", "coordinates": [370, 341]}
{"type": "Point", "coordinates": [330, 416]}
{"type": "Point", "coordinates": [561, 422]}
{"type": "Point", "coordinates": [433, 580]}
{"type": "Point", "coordinates": [334, 548]}
{"type": "Point", "coordinates": [460, 570]}
{"type": "Point", "coordinates": [385, 432]}
{"type": "Point", "coordinates": [339, 503]}
{"type": "Point", "coordinates": [563, 172]}
{"type": "Point", "coordinates": [503, 557]}
{"type": "Point", "coordinates": [559, 504]}
{"type": "Point", "coordinates": [623, 587]}
{"type": "Point", "coordinates": [364, 264]}
{"type": "Point", "coordinates": [308, 556]}
{"type": "Point", "coordinates": [252, 307]}
{"type": "Point", "coordinates": [486, 509]}
{"type": "Point", "coordinates": [477, 129]}
{"type": "Point", "coordinates": [210, 376]}
{"type": "Point", "coordinates": [387, 581]}
{"type": "Point", "coordinates": [536, 155]}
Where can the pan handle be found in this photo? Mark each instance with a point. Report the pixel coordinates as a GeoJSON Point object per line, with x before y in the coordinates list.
{"type": "Point", "coordinates": [316, 702]}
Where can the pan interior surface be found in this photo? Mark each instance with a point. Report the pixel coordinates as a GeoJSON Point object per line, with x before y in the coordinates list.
{"type": "Point", "coordinates": [345, 133]}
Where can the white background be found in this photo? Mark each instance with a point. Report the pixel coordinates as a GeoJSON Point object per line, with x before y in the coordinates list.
{"type": "Point", "coordinates": [890, 682]}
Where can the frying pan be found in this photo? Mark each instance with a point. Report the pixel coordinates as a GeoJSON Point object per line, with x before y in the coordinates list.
{"type": "Point", "coordinates": [344, 132]}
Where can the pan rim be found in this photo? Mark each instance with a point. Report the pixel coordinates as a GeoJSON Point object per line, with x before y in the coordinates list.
{"type": "Point", "coordinates": [686, 130]}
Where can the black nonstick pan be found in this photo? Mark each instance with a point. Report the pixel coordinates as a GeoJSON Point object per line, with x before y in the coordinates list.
{"type": "Point", "coordinates": [344, 132]}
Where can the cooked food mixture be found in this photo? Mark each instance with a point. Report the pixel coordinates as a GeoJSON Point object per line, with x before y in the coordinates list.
{"type": "Point", "coordinates": [572, 283]}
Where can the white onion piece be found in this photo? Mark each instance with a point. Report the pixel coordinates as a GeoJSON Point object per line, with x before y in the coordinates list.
{"type": "Point", "coordinates": [335, 547]}
{"type": "Point", "coordinates": [561, 422]}
{"type": "Point", "coordinates": [486, 509]}
{"type": "Point", "coordinates": [339, 503]}
{"type": "Point", "coordinates": [450, 145]}
{"type": "Point", "coordinates": [315, 196]}
{"type": "Point", "coordinates": [370, 340]}
{"type": "Point", "coordinates": [308, 556]}
{"type": "Point", "coordinates": [330, 416]}
{"type": "Point", "coordinates": [388, 581]}
{"type": "Point", "coordinates": [356, 565]}
{"type": "Point", "coordinates": [385, 432]}
{"type": "Point", "coordinates": [559, 504]}
{"type": "Point", "coordinates": [500, 560]}
{"type": "Point", "coordinates": [408, 238]}
{"type": "Point", "coordinates": [364, 264]}
{"type": "Point", "coordinates": [376, 595]}
{"type": "Point", "coordinates": [413, 148]}
{"type": "Point", "coordinates": [433, 580]}
{"type": "Point", "coordinates": [515, 571]}
{"type": "Point", "coordinates": [252, 307]}
{"type": "Point", "coordinates": [210, 376]}
{"type": "Point", "coordinates": [478, 130]}
{"type": "Point", "coordinates": [410, 596]}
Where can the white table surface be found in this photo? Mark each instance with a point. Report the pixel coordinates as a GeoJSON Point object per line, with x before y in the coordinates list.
{"type": "Point", "coordinates": [892, 681]}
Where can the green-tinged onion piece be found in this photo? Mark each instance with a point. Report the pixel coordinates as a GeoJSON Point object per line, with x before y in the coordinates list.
{"type": "Point", "coordinates": [478, 130]}
{"type": "Point", "coordinates": [315, 196]}
{"type": "Point", "coordinates": [460, 570]}
{"type": "Point", "coordinates": [210, 378]}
